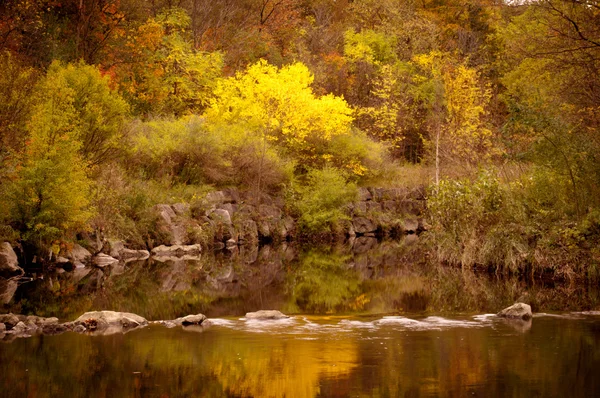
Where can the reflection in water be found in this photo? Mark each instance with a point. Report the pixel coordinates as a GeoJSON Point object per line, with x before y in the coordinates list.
{"type": "Point", "coordinates": [310, 356]}
{"type": "Point", "coordinates": [392, 277]}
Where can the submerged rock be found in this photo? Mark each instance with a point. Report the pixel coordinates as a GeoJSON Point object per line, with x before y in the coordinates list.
{"type": "Point", "coordinates": [110, 322]}
{"type": "Point", "coordinates": [266, 315]}
{"type": "Point", "coordinates": [9, 264]}
{"type": "Point", "coordinates": [517, 311]}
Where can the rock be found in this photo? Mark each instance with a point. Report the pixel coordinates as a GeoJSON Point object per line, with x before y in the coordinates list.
{"type": "Point", "coordinates": [102, 260]}
{"type": "Point", "coordinates": [110, 322]}
{"type": "Point", "coordinates": [79, 329]}
{"type": "Point", "coordinates": [177, 250]}
{"type": "Point", "coordinates": [363, 244]}
{"type": "Point", "coordinates": [54, 329]}
{"type": "Point", "coordinates": [19, 328]}
{"type": "Point", "coordinates": [364, 194]}
{"type": "Point", "coordinates": [9, 263]}
{"type": "Point", "coordinates": [190, 320]}
{"type": "Point", "coordinates": [181, 209]}
{"type": "Point", "coordinates": [517, 311]}
{"type": "Point", "coordinates": [167, 226]}
{"type": "Point", "coordinates": [228, 207]}
{"type": "Point", "coordinates": [115, 248]}
{"type": "Point", "coordinates": [220, 215]}
{"type": "Point", "coordinates": [79, 254]}
{"type": "Point", "coordinates": [2, 328]}
{"type": "Point", "coordinates": [269, 212]}
{"type": "Point", "coordinates": [266, 315]}
{"type": "Point", "coordinates": [410, 225]}
{"type": "Point", "coordinates": [215, 197]}
{"type": "Point", "coordinates": [8, 288]}
{"type": "Point", "coordinates": [362, 225]}
{"type": "Point", "coordinates": [373, 206]}
{"type": "Point", "coordinates": [10, 320]}
{"type": "Point", "coordinates": [231, 243]}
{"type": "Point", "coordinates": [127, 254]}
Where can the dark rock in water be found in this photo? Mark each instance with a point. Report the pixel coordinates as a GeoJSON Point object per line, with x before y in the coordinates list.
{"type": "Point", "coordinates": [9, 264]}
{"type": "Point", "coordinates": [517, 311]}
{"type": "Point", "coordinates": [110, 322]}
{"type": "Point", "coordinates": [266, 315]}
{"type": "Point", "coordinates": [190, 320]}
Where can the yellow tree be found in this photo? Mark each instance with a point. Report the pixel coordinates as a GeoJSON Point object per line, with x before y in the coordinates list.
{"type": "Point", "coordinates": [456, 100]}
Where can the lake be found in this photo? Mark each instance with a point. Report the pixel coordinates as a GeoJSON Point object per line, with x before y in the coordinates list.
{"type": "Point", "coordinates": [372, 320]}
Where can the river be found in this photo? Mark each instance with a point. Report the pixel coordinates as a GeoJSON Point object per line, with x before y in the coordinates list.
{"type": "Point", "coordinates": [372, 320]}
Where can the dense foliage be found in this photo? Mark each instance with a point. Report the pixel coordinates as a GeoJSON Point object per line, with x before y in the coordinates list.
{"type": "Point", "coordinates": [112, 106]}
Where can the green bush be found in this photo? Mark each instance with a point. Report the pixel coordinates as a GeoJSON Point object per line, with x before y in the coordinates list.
{"type": "Point", "coordinates": [319, 201]}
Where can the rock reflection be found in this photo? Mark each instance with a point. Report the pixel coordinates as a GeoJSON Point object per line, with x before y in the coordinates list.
{"type": "Point", "coordinates": [365, 277]}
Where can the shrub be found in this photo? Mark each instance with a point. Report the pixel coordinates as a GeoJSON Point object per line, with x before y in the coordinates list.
{"type": "Point", "coordinates": [320, 200]}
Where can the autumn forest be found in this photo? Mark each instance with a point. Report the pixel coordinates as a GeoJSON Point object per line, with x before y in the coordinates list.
{"type": "Point", "coordinates": [110, 107]}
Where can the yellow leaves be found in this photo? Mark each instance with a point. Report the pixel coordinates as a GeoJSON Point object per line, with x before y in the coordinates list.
{"type": "Point", "coordinates": [279, 105]}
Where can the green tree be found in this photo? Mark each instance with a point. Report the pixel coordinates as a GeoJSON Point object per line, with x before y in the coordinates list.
{"type": "Point", "coordinates": [97, 113]}
{"type": "Point", "coordinates": [50, 196]}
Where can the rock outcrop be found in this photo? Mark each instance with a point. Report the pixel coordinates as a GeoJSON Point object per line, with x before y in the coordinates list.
{"type": "Point", "coordinates": [517, 311]}
{"type": "Point", "coordinates": [9, 263]}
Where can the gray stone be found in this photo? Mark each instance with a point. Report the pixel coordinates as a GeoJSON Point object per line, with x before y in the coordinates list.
{"type": "Point", "coordinates": [79, 329]}
{"type": "Point", "coordinates": [110, 322]}
{"type": "Point", "coordinates": [410, 225]}
{"type": "Point", "coordinates": [79, 254]}
{"type": "Point", "coordinates": [228, 207]}
{"type": "Point", "coordinates": [127, 254]}
{"type": "Point", "coordinates": [220, 215]}
{"type": "Point", "coordinates": [9, 263]}
{"type": "Point", "coordinates": [364, 194]}
{"type": "Point", "coordinates": [10, 320]}
{"type": "Point", "coordinates": [373, 206]}
{"type": "Point", "coordinates": [8, 288]}
{"type": "Point", "coordinates": [231, 243]}
{"type": "Point", "coordinates": [517, 311]}
{"type": "Point", "coordinates": [177, 250]}
{"type": "Point", "coordinates": [181, 209]}
{"type": "Point", "coordinates": [266, 315]}
{"type": "Point", "coordinates": [215, 197]}
{"type": "Point", "coordinates": [190, 320]}
{"type": "Point", "coordinates": [269, 212]}
{"type": "Point", "coordinates": [115, 248]}
{"type": "Point", "coordinates": [362, 225]}
{"type": "Point", "coordinates": [102, 260]}
{"type": "Point", "coordinates": [19, 328]}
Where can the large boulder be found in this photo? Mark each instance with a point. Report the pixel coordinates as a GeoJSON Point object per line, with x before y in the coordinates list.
{"type": "Point", "coordinates": [266, 315]}
{"type": "Point", "coordinates": [79, 254]}
{"type": "Point", "coordinates": [168, 226]}
{"type": "Point", "coordinates": [517, 311]}
{"type": "Point", "coordinates": [9, 264]}
{"type": "Point", "coordinates": [110, 322]}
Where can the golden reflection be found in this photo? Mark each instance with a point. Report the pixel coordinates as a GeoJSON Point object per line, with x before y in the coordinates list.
{"type": "Point", "coordinates": [268, 367]}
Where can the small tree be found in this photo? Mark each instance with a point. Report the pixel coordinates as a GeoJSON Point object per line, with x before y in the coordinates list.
{"type": "Point", "coordinates": [50, 195]}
